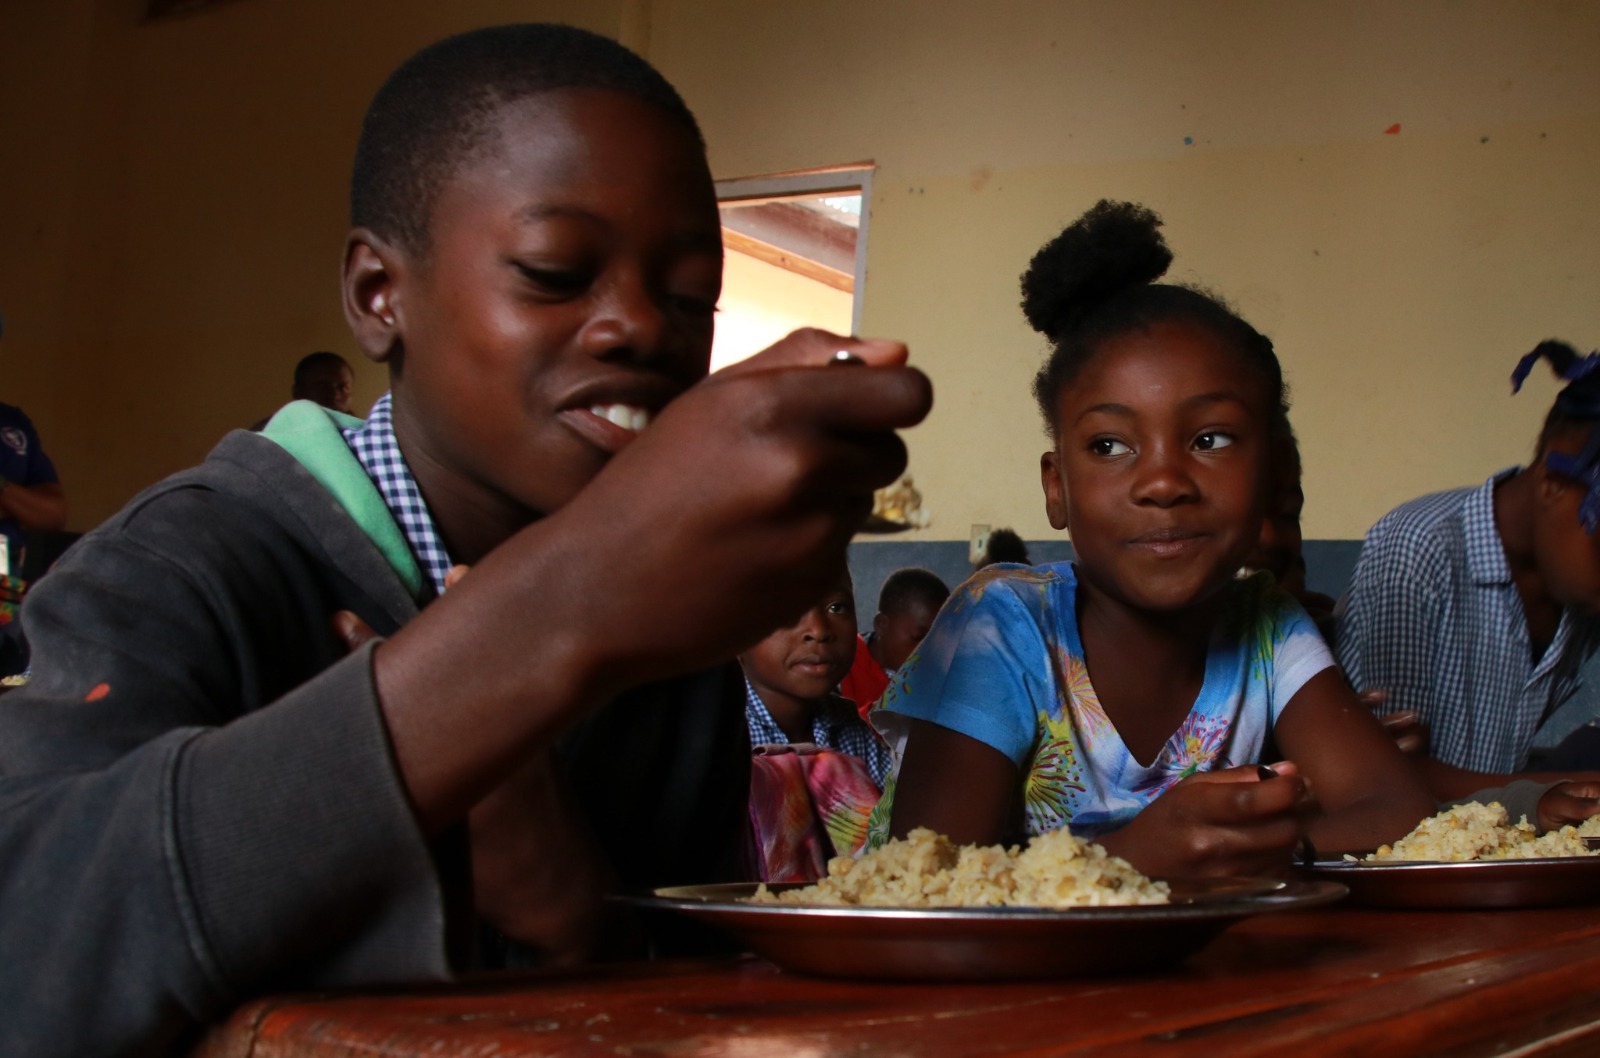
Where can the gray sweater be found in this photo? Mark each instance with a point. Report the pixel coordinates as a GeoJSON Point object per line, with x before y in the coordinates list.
{"type": "Point", "coordinates": [198, 800]}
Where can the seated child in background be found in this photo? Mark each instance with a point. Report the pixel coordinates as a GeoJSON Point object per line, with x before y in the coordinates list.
{"type": "Point", "coordinates": [1131, 695]}
{"type": "Point", "coordinates": [1476, 608]}
{"type": "Point", "coordinates": [1280, 552]}
{"type": "Point", "coordinates": [1004, 545]}
{"type": "Point", "coordinates": [204, 794]}
{"type": "Point", "coordinates": [907, 604]}
{"type": "Point", "coordinates": [323, 378]}
{"type": "Point", "coordinates": [809, 806]}
{"type": "Point", "coordinates": [792, 675]}
{"type": "Point", "coordinates": [1280, 549]}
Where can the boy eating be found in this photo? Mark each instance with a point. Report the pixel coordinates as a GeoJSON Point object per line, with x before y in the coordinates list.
{"type": "Point", "coordinates": [204, 795]}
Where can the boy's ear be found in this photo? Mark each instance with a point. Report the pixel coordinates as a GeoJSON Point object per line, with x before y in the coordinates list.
{"type": "Point", "coordinates": [372, 266]}
{"type": "Point", "coordinates": [1055, 493]}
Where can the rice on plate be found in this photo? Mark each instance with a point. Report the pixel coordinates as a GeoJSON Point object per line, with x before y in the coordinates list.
{"type": "Point", "coordinates": [1475, 831]}
{"type": "Point", "coordinates": [927, 870]}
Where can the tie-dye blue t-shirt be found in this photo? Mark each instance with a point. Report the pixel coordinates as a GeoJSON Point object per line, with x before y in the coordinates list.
{"type": "Point", "coordinates": [1003, 664]}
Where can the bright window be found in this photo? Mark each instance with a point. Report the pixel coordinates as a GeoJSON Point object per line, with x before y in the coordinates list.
{"type": "Point", "coordinates": [796, 253]}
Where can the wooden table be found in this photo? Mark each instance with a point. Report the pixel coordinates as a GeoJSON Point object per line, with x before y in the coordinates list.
{"type": "Point", "coordinates": [1330, 981]}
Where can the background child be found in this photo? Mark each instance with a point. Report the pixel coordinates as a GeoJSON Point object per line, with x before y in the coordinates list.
{"type": "Point", "coordinates": [907, 604]}
{"type": "Point", "coordinates": [793, 674]}
{"type": "Point", "coordinates": [1005, 545]}
{"type": "Point", "coordinates": [812, 804]}
{"type": "Point", "coordinates": [1279, 551]}
{"type": "Point", "coordinates": [1123, 695]}
{"type": "Point", "coordinates": [1476, 608]}
{"type": "Point", "coordinates": [202, 795]}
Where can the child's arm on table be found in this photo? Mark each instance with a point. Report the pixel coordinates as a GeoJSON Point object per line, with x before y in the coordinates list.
{"type": "Point", "coordinates": [956, 785]}
{"type": "Point", "coordinates": [1369, 792]}
{"type": "Point", "coordinates": [985, 667]}
{"type": "Point", "coordinates": [1229, 823]}
{"type": "Point", "coordinates": [1570, 802]}
{"type": "Point", "coordinates": [1215, 823]}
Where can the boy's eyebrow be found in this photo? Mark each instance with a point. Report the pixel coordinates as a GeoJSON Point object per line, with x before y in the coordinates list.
{"type": "Point", "coordinates": [710, 239]}
{"type": "Point", "coordinates": [544, 211]}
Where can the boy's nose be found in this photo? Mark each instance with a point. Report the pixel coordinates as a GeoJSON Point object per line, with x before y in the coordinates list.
{"type": "Point", "coordinates": [630, 323]}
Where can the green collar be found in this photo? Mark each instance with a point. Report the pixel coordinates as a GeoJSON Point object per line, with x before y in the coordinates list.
{"type": "Point", "coordinates": [310, 433]}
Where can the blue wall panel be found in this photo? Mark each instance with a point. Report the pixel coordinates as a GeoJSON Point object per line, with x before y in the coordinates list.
{"type": "Point", "coordinates": [1329, 564]}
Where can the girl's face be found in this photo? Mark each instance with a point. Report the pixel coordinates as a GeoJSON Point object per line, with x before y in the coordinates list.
{"type": "Point", "coordinates": [1568, 558]}
{"type": "Point", "coordinates": [1160, 469]}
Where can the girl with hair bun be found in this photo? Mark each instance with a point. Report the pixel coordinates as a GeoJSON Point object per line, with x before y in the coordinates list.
{"type": "Point", "coordinates": [1131, 694]}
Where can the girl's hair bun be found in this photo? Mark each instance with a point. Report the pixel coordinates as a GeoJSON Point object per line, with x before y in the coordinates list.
{"type": "Point", "coordinates": [1115, 245]}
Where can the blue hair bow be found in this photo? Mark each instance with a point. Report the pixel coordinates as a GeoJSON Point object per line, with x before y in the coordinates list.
{"type": "Point", "coordinates": [1585, 466]}
{"type": "Point", "coordinates": [1574, 371]}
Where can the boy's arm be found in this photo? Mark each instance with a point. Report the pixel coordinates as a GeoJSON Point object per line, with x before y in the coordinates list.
{"type": "Point", "coordinates": [1450, 783]}
{"type": "Point", "coordinates": [160, 855]}
{"type": "Point", "coordinates": [717, 524]}
{"type": "Point", "coordinates": [204, 853]}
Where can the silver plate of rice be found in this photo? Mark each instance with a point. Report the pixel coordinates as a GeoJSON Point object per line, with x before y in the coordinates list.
{"type": "Point", "coordinates": [987, 943]}
{"type": "Point", "coordinates": [923, 909]}
{"type": "Point", "coordinates": [1469, 885]}
{"type": "Point", "coordinates": [1473, 856]}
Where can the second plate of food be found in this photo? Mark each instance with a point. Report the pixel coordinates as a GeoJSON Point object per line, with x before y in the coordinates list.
{"type": "Point", "coordinates": [978, 943]}
{"type": "Point", "coordinates": [1420, 885]}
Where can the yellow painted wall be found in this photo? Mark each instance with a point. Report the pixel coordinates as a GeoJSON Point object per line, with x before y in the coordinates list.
{"type": "Point", "coordinates": [1401, 275]}
{"type": "Point", "coordinates": [173, 209]}
{"type": "Point", "coordinates": [172, 203]}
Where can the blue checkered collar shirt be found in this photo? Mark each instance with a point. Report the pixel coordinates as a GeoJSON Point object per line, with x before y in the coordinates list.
{"type": "Point", "coordinates": [375, 448]}
{"type": "Point", "coordinates": [841, 730]}
{"type": "Point", "coordinates": [1433, 616]}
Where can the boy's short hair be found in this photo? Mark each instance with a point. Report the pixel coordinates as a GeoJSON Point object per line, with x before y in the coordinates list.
{"type": "Point", "coordinates": [438, 108]}
{"type": "Point", "coordinates": [903, 586]}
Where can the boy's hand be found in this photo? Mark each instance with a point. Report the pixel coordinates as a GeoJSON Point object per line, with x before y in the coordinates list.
{"type": "Point", "coordinates": [1229, 823]}
{"type": "Point", "coordinates": [1568, 804]}
{"type": "Point", "coordinates": [730, 514]}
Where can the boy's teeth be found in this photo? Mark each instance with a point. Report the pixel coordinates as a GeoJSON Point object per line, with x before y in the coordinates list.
{"type": "Point", "coordinates": [623, 415]}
